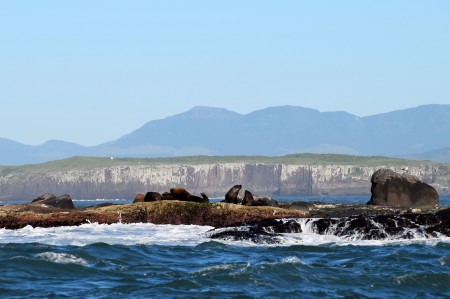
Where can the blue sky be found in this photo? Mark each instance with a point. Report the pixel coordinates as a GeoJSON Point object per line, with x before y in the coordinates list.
{"type": "Point", "coordinates": [91, 71]}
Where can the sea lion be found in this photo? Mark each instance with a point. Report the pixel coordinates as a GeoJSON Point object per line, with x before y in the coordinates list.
{"type": "Point", "coordinates": [152, 196]}
{"type": "Point", "coordinates": [139, 198]}
{"type": "Point", "coordinates": [180, 194]}
{"type": "Point", "coordinates": [248, 199]}
{"type": "Point", "coordinates": [232, 194]}
{"type": "Point", "coordinates": [183, 195]}
{"type": "Point", "coordinates": [168, 196]}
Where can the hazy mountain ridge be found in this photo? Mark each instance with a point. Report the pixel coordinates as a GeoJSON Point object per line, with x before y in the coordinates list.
{"type": "Point", "coordinates": [271, 131]}
{"type": "Point", "coordinates": [440, 155]}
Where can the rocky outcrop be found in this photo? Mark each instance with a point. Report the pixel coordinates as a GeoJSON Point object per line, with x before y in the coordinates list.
{"type": "Point", "coordinates": [263, 232]}
{"type": "Point", "coordinates": [388, 226]}
{"type": "Point", "coordinates": [398, 226]}
{"type": "Point", "coordinates": [62, 202]}
{"type": "Point", "coordinates": [158, 212]}
{"type": "Point", "coordinates": [401, 190]}
{"type": "Point", "coordinates": [262, 224]}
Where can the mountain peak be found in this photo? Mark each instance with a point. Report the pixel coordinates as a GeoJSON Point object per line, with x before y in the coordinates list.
{"type": "Point", "coordinates": [208, 113]}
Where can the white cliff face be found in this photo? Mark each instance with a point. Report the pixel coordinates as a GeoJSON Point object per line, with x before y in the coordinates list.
{"type": "Point", "coordinates": [213, 179]}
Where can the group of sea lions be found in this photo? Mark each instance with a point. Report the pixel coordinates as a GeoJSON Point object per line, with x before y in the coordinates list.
{"type": "Point", "coordinates": [174, 194]}
{"type": "Point", "coordinates": [232, 196]}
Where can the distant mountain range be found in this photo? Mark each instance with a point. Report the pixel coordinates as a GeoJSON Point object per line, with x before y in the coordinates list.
{"type": "Point", "coordinates": [420, 133]}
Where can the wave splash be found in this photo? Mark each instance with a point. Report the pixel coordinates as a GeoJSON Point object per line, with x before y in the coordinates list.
{"type": "Point", "coordinates": [364, 230]}
{"type": "Point", "coordinates": [281, 232]}
{"type": "Point", "coordinates": [62, 258]}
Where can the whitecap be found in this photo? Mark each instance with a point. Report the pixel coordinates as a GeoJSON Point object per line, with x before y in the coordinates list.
{"type": "Point", "coordinates": [215, 268]}
{"type": "Point", "coordinates": [291, 260]}
{"type": "Point", "coordinates": [113, 234]}
{"type": "Point", "coordinates": [62, 258]}
{"type": "Point", "coordinates": [444, 261]}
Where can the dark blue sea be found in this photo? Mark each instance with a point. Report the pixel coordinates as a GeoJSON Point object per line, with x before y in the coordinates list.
{"type": "Point", "coordinates": [181, 261]}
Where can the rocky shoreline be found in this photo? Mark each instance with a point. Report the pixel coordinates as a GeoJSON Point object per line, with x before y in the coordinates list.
{"type": "Point", "coordinates": [237, 222]}
{"type": "Point", "coordinates": [402, 214]}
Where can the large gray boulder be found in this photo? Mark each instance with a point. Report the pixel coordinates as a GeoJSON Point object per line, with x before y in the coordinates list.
{"type": "Point", "coordinates": [390, 188]}
{"type": "Point", "coordinates": [62, 202]}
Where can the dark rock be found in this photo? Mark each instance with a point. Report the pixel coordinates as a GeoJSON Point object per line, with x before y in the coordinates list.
{"type": "Point", "coordinates": [262, 232]}
{"type": "Point", "coordinates": [401, 190]}
{"type": "Point", "coordinates": [62, 202]}
{"type": "Point", "coordinates": [232, 194]}
{"type": "Point", "coordinates": [250, 234]}
{"type": "Point", "coordinates": [278, 226]}
{"type": "Point", "coordinates": [323, 224]}
{"type": "Point", "coordinates": [395, 226]}
{"type": "Point", "coordinates": [46, 196]}
{"type": "Point", "coordinates": [444, 216]}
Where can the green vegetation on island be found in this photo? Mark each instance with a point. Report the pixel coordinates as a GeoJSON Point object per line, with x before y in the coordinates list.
{"type": "Point", "coordinates": [86, 163]}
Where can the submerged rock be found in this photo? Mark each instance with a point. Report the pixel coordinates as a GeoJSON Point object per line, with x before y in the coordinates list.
{"type": "Point", "coordinates": [380, 227]}
{"type": "Point", "coordinates": [401, 190]}
{"type": "Point", "coordinates": [267, 231]}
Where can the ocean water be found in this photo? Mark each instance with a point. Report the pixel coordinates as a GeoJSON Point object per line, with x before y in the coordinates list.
{"type": "Point", "coordinates": [181, 261]}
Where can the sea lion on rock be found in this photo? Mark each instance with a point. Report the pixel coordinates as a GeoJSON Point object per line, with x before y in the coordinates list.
{"type": "Point", "coordinates": [248, 199]}
{"type": "Point", "coordinates": [183, 195]}
{"type": "Point", "coordinates": [139, 198]}
{"type": "Point", "coordinates": [232, 194]}
{"type": "Point", "coordinates": [152, 196]}
{"type": "Point", "coordinates": [168, 196]}
{"type": "Point", "coordinates": [265, 201]}
{"type": "Point", "coordinates": [401, 190]}
{"type": "Point", "coordinates": [180, 194]}
{"type": "Point", "coordinates": [205, 197]}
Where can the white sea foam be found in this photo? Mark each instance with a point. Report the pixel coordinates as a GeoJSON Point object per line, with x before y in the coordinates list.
{"type": "Point", "coordinates": [291, 260]}
{"type": "Point", "coordinates": [445, 261]}
{"type": "Point", "coordinates": [114, 234]}
{"type": "Point", "coordinates": [181, 235]}
{"type": "Point", "coordinates": [62, 258]}
{"type": "Point", "coordinates": [216, 268]}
